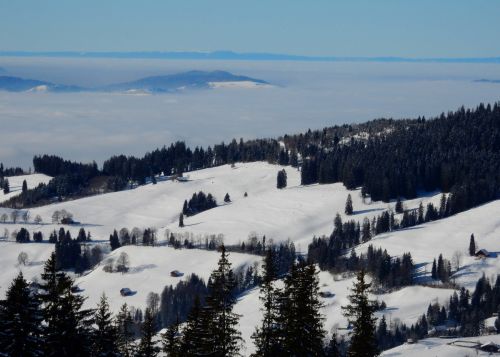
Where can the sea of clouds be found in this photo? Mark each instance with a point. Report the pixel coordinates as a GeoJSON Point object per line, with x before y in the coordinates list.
{"type": "Point", "coordinates": [94, 126]}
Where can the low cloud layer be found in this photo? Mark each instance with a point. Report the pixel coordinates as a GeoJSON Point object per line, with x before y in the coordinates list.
{"type": "Point", "coordinates": [94, 126]}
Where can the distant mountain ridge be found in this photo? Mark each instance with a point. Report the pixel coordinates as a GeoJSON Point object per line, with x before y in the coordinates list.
{"type": "Point", "coordinates": [16, 84]}
{"type": "Point", "coordinates": [487, 80]}
{"type": "Point", "coordinates": [181, 81]}
{"type": "Point", "coordinates": [154, 84]}
{"type": "Point", "coordinates": [246, 56]}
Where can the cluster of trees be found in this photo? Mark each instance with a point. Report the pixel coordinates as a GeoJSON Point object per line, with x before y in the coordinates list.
{"type": "Point", "coordinates": [457, 153]}
{"type": "Point", "coordinates": [136, 236]}
{"type": "Point", "coordinates": [68, 251]}
{"type": "Point", "coordinates": [4, 185]}
{"type": "Point", "coordinates": [388, 272]}
{"type": "Point", "coordinates": [10, 171]}
{"type": "Point", "coordinates": [464, 314]}
{"type": "Point", "coordinates": [198, 203]}
{"type": "Point", "coordinates": [441, 270]}
{"type": "Point", "coordinates": [15, 215]}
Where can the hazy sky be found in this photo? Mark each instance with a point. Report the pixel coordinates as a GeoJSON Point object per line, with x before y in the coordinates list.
{"type": "Point", "coordinates": [416, 28]}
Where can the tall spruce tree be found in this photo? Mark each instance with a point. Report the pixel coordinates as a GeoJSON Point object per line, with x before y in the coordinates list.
{"type": "Point", "coordinates": [105, 334]}
{"type": "Point", "coordinates": [472, 246]}
{"type": "Point", "coordinates": [348, 205]}
{"type": "Point", "coordinates": [360, 314]}
{"type": "Point", "coordinates": [170, 340]}
{"type": "Point", "coordinates": [181, 220]}
{"type": "Point", "coordinates": [300, 318]}
{"type": "Point", "coordinates": [20, 321]}
{"type": "Point", "coordinates": [266, 336]}
{"type": "Point", "coordinates": [195, 332]}
{"type": "Point", "coordinates": [147, 346]}
{"type": "Point", "coordinates": [221, 322]}
{"type": "Point", "coordinates": [125, 332]}
{"type": "Point", "coordinates": [67, 328]}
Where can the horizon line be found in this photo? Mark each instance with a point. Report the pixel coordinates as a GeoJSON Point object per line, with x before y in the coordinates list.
{"type": "Point", "coordinates": [249, 56]}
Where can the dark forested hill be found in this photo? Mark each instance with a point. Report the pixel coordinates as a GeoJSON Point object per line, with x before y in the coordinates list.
{"type": "Point", "coordinates": [457, 152]}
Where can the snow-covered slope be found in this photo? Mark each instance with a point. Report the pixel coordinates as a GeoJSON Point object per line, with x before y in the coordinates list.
{"type": "Point", "coordinates": [296, 212]}
{"type": "Point", "coordinates": [449, 236]}
{"type": "Point", "coordinates": [16, 184]}
{"type": "Point", "coordinates": [443, 347]}
{"type": "Point", "coordinates": [150, 269]}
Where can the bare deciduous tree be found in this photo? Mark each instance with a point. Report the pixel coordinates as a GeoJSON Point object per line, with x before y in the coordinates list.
{"type": "Point", "coordinates": [22, 258]}
{"type": "Point", "coordinates": [457, 259]}
{"type": "Point", "coordinates": [153, 302]}
{"type": "Point", "coordinates": [123, 262]}
{"type": "Point", "coordinates": [4, 217]}
{"type": "Point", "coordinates": [14, 215]}
{"type": "Point", "coordinates": [38, 219]}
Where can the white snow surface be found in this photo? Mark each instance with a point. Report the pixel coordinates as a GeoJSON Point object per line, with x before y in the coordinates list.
{"type": "Point", "coordinates": [16, 184]}
{"type": "Point", "coordinates": [441, 347]}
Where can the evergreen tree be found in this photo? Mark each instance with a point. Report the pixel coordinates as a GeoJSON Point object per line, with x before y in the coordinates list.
{"type": "Point", "coordinates": [360, 313]}
{"type": "Point", "coordinates": [6, 187]}
{"type": "Point", "coordinates": [348, 205]}
{"type": "Point", "coordinates": [105, 335]}
{"type": "Point", "coordinates": [227, 199]}
{"type": "Point", "coordinates": [170, 340]}
{"type": "Point", "coordinates": [434, 270]}
{"type": "Point", "coordinates": [20, 321]}
{"type": "Point", "coordinates": [147, 346]}
{"type": "Point", "coordinates": [25, 187]}
{"type": "Point", "coordinates": [219, 322]}
{"type": "Point", "coordinates": [125, 332]}
{"type": "Point", "coordinates": [181, 220]}
{"type": "Point", "coordinates": [300, 318]}
{"type": "Point", "coordinates": [114, 241]}
{"type": "Point", "coordinates": [67, 328]}
{"type": "Point", "coordinates": [266, 336]}
{"type": "Point", "coordinates": [399, 206]}
{"type": "Point", "coordinates": [472, 246]}
{"type": "Point", "coordinates": [281, 179]}
{"type": "Point", "coordinates": [333, 350]}
{"type": "Point", "coordinates": [195, 333]}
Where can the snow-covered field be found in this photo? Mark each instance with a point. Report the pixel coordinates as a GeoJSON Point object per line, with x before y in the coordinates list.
{"type": "Point", "coordinates": [443, 347]}
{"type": "Point", "coordinates": [448, 237]}
{"type": "Point", "coordinates": [16, 184]}
{"type": "Point", "coordinates": [296, 213]}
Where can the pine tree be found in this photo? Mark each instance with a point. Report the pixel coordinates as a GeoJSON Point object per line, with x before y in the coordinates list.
{"type": "Point", "coordinates": [399, 206]}
{"type": "Point", "coordinates": [266, 336]}
{"type": "Point", "coordinates": [125, 332]}
{"type": "Point", "coordinates": [472, 246]}
{"type": "Point", "coordinates": [434, 270]}
{"type": "Point", "coordinates": [114, 241]}
{"type": "Point", "coordinates": [332, 350]}
{"type": "Point", "coordinates": [6, 187]}
{"type": "Point", "coordinates": [219, 322]}
{"type": "Point", "coordinates": [147, 346]}
{"type": "Point", "coordinates": [67, 328]}
{"type": "Point", "coordinates": [348, 205]}
{"type": "Point", "coordinates": [181, 220]}
{"type": "Point", "coordinates": [25, 187]}
{"type": "Point", "coordinates": [194, 332]}
{"type": "Point", "coordinates": [227, 199]}
{"type": "Point", "coordinates": [170, 340]}
{"type": "Point", "coordinates": [105, 335]}
{"type": "Point", "coordinates": [20, 321]}
{"type": "Point", "coordinates": [300, 318]}
{"type": "Point", "coordinates": [360, 313]}
{"type": "Point", "coordinates": [281, 180]}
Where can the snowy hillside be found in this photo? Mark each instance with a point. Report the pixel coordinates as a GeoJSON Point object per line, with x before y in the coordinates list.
{"type": "Point", "coordinates": [16, 184]}
{"type": "Point", "coordinates": [296, 212]}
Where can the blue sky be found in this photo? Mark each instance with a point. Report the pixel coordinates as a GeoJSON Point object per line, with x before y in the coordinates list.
{"type": "Point", "coordinates": [419, 28]}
